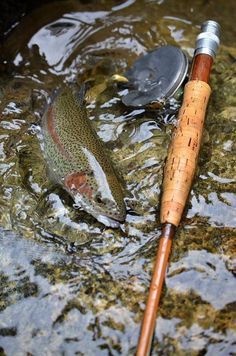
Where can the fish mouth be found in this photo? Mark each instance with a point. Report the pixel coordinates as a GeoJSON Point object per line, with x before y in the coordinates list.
{"type": "Point", "coordinates": [110, 220]}
{"type": "Point", "coordinates": [107, 221]}
{"type": "Point", "coordinates": [113, 220]}
{"type": "Point", "coordinates": [104, 219]}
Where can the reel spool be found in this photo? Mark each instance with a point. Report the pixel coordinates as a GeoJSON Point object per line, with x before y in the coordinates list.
{"type": "Point", "coordinates": [155, 77]}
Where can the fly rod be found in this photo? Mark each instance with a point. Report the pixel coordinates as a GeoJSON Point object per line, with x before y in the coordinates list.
{"type": "Point", "coordinates": [180, 167]}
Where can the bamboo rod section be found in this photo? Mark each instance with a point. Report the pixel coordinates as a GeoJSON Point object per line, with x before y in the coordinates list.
{"type": "Point", "coordinates": [149, 319]}
{"type": "Point", "coordinates": [180, 168]}
{"type": "Point", "coordinates": [201, 67]}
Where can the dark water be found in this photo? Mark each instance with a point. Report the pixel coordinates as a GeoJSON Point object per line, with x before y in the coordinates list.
{"type": "Point", "coordinates": [70, 286]}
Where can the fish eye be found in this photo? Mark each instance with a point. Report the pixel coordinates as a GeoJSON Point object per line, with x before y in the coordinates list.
{"type": "Point", "coordinates": [103, 201]}
{"type": "Point", "coordinates": [99, 200]}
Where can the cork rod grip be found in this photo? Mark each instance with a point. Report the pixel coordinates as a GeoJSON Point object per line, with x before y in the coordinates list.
{"type": "Point", "coordinates": [183, 152]}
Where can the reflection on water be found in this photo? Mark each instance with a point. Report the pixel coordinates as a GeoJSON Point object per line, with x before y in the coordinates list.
{"type": "Point", "coordinates": [69, 284]}
{"type": "Point", "coordinates": [207, 274]}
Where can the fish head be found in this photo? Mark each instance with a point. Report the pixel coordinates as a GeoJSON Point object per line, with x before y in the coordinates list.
{"type": "Point", "coordinates": [108, 209]}
{"type": "Point", "coordinates": [99, 200]}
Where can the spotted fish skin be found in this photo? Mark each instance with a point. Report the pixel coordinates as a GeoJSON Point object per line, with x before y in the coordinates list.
{"type": "Point", "coordinates": [78, 159]}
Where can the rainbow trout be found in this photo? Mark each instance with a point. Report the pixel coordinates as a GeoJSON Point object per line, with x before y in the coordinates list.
{"type": "Point", "coordinates": [78, 159]}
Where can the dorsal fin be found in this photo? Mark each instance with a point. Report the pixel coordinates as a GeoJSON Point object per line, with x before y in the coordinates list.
{"type": "Point", "coordinates": [79, 92]}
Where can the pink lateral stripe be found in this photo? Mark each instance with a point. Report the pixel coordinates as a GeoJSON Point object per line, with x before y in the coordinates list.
{"type": "Point", "coordinates": [53, 133]}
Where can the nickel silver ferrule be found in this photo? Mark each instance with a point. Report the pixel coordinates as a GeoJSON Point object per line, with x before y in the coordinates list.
{"type": "Point", "coordinates": [209, 39]}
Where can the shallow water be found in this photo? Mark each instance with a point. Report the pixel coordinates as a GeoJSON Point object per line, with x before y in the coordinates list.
{"type": "Point", "coordinates": [69, 285]}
